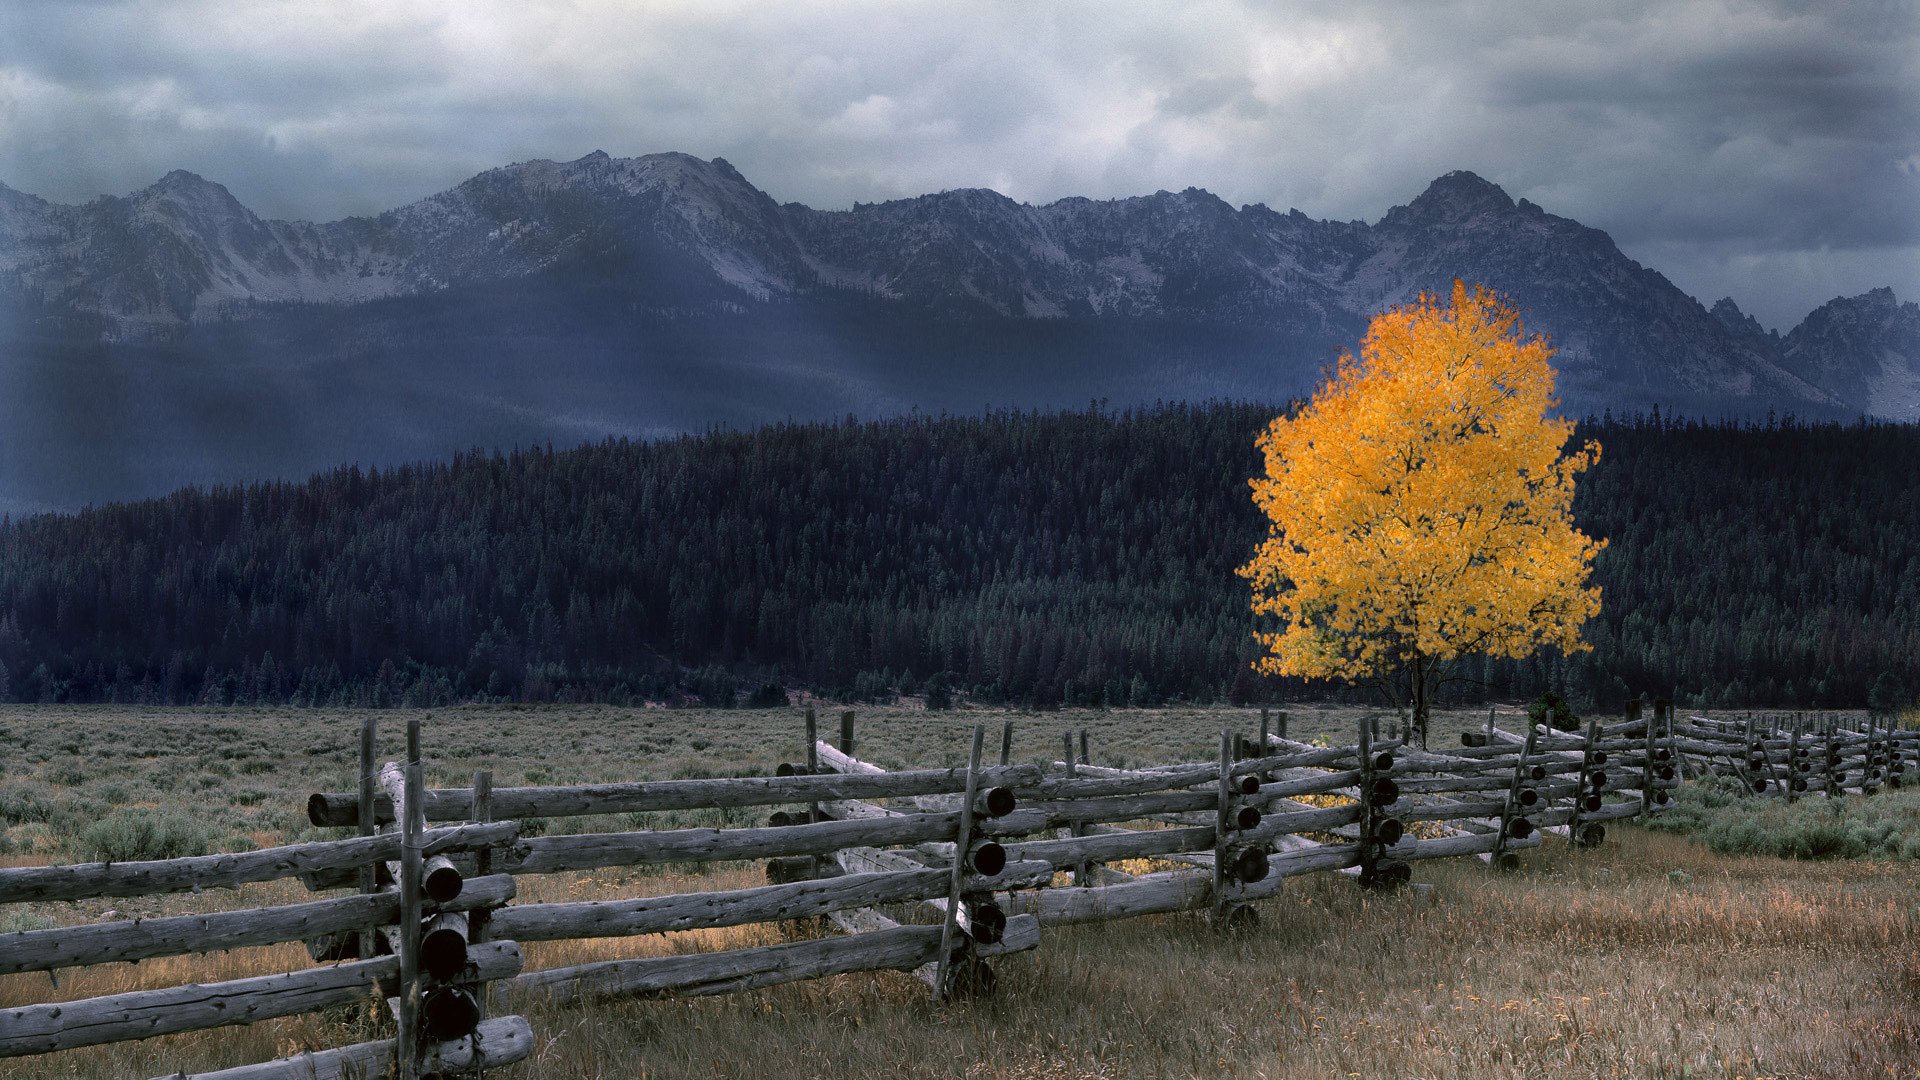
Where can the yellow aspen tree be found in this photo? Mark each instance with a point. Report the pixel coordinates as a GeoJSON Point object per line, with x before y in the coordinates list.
{"type": "Point", "coordinates": [1420, 507]}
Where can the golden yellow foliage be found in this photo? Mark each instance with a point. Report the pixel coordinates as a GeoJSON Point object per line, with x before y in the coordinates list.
{"type": "Point", "coordinates": [1420, 504]}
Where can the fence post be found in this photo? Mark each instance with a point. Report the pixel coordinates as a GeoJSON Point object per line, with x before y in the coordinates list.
{"type": "Point", "coordinates": [1224, 801]}
{"type": "Point", "coordinates": [1369, 850]}
{"type": "Point", "coordinates": [1794, 783]}
{"type": "Point", "coordinates": [1834, 776]}
{"type": "Point", "coordinates": [479, 919]}
{"type": "Point", "coordinates": [1586, 797]}
{"type": "Point", "coordinates": [1870, 762]}
{"type": "Point", "coordinates": [813, 766]}
{"type": "Point", "coordinates": [1646, 763]}
{"type": "Point", "coordinates": [943, 973]}
{"type": "Point", "coordinates": [406, 1045]}
{"type": "Point", "coordinates": [1081, 871]}
{"type": "Point", "coordinates": [369, 875]}
{"type": "Point", "coordinates": [1006, 743]}
{"type": "Point", "coordinates": [1513, 824]}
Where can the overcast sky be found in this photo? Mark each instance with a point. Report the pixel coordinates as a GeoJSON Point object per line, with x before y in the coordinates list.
{"type": "Point", "coordinates": [1766, 151]}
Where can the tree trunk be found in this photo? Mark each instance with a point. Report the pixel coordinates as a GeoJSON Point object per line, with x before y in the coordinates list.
{"type": "Point", "coordinates": [1421, 705]}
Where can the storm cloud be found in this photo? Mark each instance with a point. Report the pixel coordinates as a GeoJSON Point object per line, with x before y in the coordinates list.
{"type": "Point", "coordinates": [1768, 151]}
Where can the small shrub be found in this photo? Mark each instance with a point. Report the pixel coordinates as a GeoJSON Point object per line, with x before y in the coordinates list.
{"type": "Point", "coordinates": [14, 922]}
{"type": "Point", "coordinates": [19, 806]}
{"type": "Point", "coordinates": [1718, 813]}
{"type": "Point", "coordinates": [1549, 709]}
{"type": "Point", "coordinates": [129, 835]}
{"type": "Point", "coordinates": [66, 774]}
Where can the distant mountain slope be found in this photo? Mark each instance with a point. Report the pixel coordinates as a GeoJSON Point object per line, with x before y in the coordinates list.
{"type": "Point", "coordinates": [173, 336]}
{"type": "Point", "coordinates": [1866, 348]}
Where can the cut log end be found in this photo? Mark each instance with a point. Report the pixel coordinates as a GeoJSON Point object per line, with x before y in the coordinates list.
{"type": "Point", "coordinates": [987, 858]}
{"type": "Point", "coordinates": [1250, 866]}
{"type": "Point", "coordinates": [998, 802]}
{"type": "Point", "coordinates": [443, 952]}
{"type": "Point", "coordinates": [442, 881]}
{"type": "Point", "coordinates": [448, 1013]}
{"type": "Point", "coordinates": [986, 922]}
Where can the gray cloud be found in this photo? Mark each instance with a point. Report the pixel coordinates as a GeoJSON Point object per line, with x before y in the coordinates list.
{"type": "Point", "coordinates": [1770, 151]}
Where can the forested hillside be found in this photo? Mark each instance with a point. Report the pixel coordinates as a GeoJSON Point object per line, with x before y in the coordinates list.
{"type": "Point", "coordinates": [1084, 558]}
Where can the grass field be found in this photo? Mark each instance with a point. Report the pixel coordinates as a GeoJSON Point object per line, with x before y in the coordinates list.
{"type": "Point", "coordinates": [1651, 957]}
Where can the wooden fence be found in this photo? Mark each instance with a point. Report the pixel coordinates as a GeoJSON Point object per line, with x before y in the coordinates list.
{"type": "Point", "coordinates": [393, 936]}
{"type": "Point", "coordinates": [1787, 757]}
{"type": "Point", "coordinates": [930, 871]}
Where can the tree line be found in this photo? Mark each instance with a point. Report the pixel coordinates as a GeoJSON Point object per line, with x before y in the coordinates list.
{"type": "Point", "coordinates": [1080, 558]}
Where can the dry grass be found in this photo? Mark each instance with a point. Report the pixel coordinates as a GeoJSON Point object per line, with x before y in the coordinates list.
{"type": "Point", "coordinates": [1651, 957]}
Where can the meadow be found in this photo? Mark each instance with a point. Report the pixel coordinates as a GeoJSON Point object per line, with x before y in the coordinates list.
{"type": "Point", "coordinates": [1653, 956]}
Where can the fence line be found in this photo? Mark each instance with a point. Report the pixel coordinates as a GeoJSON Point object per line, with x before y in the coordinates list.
{"type": "Point", "coordinates": [930, 871]}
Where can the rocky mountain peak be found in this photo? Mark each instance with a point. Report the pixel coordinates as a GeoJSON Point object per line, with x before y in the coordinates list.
{"type": "Point", "coordinates": [1731, 317]}
{"type": "Point", "coordinates": [1866, 346]}
{"type": "Point", "coordinates": [190, 194]}
{"type": "Point", "coordinates": [1453, 199]}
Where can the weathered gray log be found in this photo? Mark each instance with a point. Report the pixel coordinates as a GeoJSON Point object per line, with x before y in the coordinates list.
{"type": "Point", "coordinates": [1312, 819]}
{"type": "Point", "coordinates": [1152, 895]}
{"type": "Point", "coordinates": [1114, 846]}
{"type": "Point", "coordinates": [1126, 807]}
{"type": "Point", "coordinates": [440, 880]}
{"type": "Point", "coordinates": [864, 921]}
{"type": "Point", "coordinates": [342, 858]}
{"type": "Point", "coordinates": [174, 935]}
{"type": "Point", "coordinates": [141, 1014]}
{"type": "Point", "coordinates": [982, 922]}
{"type": "Point", "coordinates": [1093, 781]}
{"type": "Point", "coordinates": [1450, 809]}
{"type": "Point", "coordinates": [1448, 847]}
{"type": "Point", "coordinates": [795, 900]}
{"type": "Point", "coordinates": [900, 948]}
{"type": "Point", "coordinates": [500, 1041]}
{"type": "Point", "coordinates": [1306, 860]}
{"type": "Point", "coordinates": [456, 804]}
{"type": "Point", "coordinates": [555, 854]}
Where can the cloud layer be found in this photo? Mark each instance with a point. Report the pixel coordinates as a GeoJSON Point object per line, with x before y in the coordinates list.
{"type": "Point", "coordinates": [1770, 151]}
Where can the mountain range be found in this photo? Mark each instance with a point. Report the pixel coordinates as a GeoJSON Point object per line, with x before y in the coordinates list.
{"type": "Point", "coordinates": [172, 336]}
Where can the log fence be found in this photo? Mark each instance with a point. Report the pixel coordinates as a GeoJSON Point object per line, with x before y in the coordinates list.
{"type": "Point", "coordinates": [438, 1029]}
{"type": "Point", "coordinates": [935, 872]}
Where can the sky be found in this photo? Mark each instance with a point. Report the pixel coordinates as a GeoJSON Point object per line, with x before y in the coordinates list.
{"type": "Point", "coordinates": [1766, 151]}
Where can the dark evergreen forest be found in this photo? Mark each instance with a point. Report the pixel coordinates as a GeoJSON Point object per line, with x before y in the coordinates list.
{"type": "Point", "coordinates": [1083, 558]}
